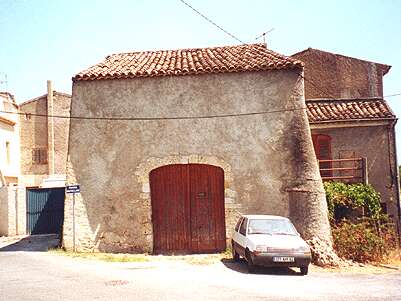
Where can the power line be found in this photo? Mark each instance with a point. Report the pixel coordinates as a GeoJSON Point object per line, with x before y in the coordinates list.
{"type": "Point", "coordinates": [391, 95]}
{"type": "Point", "coordinates": [210, 21]}
{"type": "Point", "coordinates": [234, 37]}
{"type": "Point", "coordinates": [28, 115]}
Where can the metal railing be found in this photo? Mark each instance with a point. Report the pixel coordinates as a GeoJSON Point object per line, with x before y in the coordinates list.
{"type": "Point", "coordinates": [352, 170]}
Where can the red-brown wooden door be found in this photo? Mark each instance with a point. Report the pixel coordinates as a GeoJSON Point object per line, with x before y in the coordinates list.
{"type": "Point", "coordinates": [188, 208]}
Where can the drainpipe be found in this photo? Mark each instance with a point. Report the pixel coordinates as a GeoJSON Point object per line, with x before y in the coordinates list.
{"type": "Point", "coordinates": [51, 119]}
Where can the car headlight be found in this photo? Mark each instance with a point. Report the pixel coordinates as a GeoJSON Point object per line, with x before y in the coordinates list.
{"type": "Point", "coordinates": [261, 249]}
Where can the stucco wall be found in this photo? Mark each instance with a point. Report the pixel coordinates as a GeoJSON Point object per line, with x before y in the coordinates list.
{"type": "Point", "coordinates": [372, 142]}
{"type": "Point", "coordinates": [12, 211]}
{"type": "Point", "coordinates": [3, 211]}
{"type": "Point", "coordinates": [332, 75]}
{"type": "Point", "coordinates": [268, 159]}
{"type": "Point", "coordinates": [9, 140]}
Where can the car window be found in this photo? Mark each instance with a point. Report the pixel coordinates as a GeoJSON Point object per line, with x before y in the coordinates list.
{"type": "Point", "coordinates": [271, 226]}
{"type": "Point", "coordinates": [238, 224]}
{"type": "Point", "coordinates": [242, 229]}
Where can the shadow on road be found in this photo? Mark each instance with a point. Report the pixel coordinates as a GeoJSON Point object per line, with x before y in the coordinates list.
{"type": "Point", "coordinates": [33, 243]}
{"type": "Point", "coordinates": [241, 267]}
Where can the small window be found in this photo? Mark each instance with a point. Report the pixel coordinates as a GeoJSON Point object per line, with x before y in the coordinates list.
{"type": "Point", "coordinates": [8, 152]}
{"type": "Point", "coordinates": [238, 224]}
{"type": "Point", "coordinates": [39, 156]}
{"type": "Point", "coordinates": [242, 229]}
{"type": "Point", "coordinates": [322, 147]}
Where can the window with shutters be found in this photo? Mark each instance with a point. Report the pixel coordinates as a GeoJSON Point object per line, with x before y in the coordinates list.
{"type": "Point", "coordinates": [322, 146]}
{"type": "Point", "coordinates": [39, 156]}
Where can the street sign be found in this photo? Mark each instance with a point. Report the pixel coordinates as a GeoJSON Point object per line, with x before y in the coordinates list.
{"type": "Point", "coordinates": [72, 189]}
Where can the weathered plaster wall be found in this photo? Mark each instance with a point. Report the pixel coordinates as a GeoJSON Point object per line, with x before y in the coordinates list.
{"type": "Point", "coordinates": [3, 211]}
{"type": "Point", "coordinates": [332, 75]}
{"type": "Point", "coordinates": [268, 159]}
{"type": "Point", "coordinates": [9, 139]}
{"type": "Point", "coordinates": [12, 211]}
{"type": "Point", "coordinates": [375, 147]}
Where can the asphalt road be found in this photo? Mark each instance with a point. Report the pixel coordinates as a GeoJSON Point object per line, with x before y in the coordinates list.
{"type": "Point", "coordinates": [45, 276]}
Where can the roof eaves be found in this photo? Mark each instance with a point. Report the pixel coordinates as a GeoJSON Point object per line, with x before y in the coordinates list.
{"type": "Point", "coordinates": [373, 119]}
{"type": "Point", "coordinates": [7, 121]}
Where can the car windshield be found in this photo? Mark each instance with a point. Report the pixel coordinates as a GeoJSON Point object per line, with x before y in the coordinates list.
{"type": "Point", "coordinates": [271, 226]}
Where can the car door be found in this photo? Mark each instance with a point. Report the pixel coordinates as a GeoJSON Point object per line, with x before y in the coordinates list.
{"type": "Point", "coordinates": [241, 237]}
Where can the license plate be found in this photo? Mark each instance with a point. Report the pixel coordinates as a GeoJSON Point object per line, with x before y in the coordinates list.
{"type": "Point", "coordinates": [283, 259]}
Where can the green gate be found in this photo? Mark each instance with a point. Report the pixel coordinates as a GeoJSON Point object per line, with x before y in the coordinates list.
{"type": "Point", "coordinates": [45, 210]}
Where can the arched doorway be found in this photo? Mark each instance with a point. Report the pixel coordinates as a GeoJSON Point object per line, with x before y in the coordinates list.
{"type": "Point", "coordinates": [187, 209]}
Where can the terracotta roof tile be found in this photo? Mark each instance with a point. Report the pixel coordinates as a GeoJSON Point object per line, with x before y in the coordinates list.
{"type": "Point", "coordinates": [329, 110]}
{"type": "Point", "coordinates": [246, 57]}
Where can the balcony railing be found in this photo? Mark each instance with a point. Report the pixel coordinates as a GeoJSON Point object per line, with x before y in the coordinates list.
{"type": "Point", "coordinates": [352, 170]}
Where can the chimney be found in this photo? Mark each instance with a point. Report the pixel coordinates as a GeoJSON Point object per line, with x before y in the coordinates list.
{"type": "Point", "coordinates": [50, 119]}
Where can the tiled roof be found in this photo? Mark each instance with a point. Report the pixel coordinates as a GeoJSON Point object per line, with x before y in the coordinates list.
{"type": "Point", "coordinates": [246, 57]}
{"type": "Point", "coordinates": [329, 110]}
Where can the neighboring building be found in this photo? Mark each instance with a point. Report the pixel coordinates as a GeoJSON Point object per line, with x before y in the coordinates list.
{"type": "Point", "coordinates": [44, 140]}
{"type": "Point", "coordinates": [158, 173]}
{"type": "Point", "coordinates": [33, 165]}
{"type": "Point", "coordinates": [9, 163]}
{"type": "Point", "coordinates": [353, 128]}
{"type": "Point", "coordinates": [9, 140]}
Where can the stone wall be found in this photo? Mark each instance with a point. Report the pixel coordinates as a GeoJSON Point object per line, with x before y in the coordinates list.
{"type": "Point", "coordinates": [35, 133]}
{"type": "Point", "coordinates": [267, 158]}
{"type": "Point", "coordinates": [330, 75]}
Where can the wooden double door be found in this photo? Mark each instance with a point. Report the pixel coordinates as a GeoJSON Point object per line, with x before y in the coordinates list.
{"type": "Point", "coordinates": [188, 209]}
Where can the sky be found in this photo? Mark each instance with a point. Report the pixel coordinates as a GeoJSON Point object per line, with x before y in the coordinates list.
{"type": "Point", "coordinates": [44, 40]}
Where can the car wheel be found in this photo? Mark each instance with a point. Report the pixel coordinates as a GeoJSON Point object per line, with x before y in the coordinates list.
{"type": "Point", "coordinates": [251, 266]}
{"type": "Point", "coordinates": [304, 270]}
{"type": "Point", "coordinates": [235, 254]}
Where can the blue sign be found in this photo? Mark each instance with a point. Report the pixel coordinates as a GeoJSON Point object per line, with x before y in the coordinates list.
{"type": "Point", "coordinates": [72, 189]}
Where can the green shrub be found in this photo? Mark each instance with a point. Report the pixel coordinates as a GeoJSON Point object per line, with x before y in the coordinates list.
{"type": "Point", "coordinates": [352, 196]}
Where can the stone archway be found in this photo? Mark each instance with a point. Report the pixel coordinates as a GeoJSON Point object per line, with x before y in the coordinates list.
{"type": "Point", "coordinates": [187, 209]}
{"type": "Point", "coordinates": [231, 206]}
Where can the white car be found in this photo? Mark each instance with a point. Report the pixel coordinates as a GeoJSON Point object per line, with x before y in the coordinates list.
{"type": "Point", "coordinates": [270, 240]}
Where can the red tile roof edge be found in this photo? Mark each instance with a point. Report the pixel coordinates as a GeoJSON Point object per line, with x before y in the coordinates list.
{"type": "Point", "coordinates": [348, 110]}
{"type": "Point", "coordinates": [147, 63]}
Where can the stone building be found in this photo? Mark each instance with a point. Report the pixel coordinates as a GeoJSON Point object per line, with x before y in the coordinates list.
{"type": "Point", "coordinates": [44, 139]}
{"type": "Point", "coordinates": [176, 144]}
{"type": "Point", "coordinates": [353, 127]}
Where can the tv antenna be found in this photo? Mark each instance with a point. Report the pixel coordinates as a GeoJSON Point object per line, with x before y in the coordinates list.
{"type": "Point", "coordinates": [4, 81]}
{"type": "Point", "coordinates": [263, 35]}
